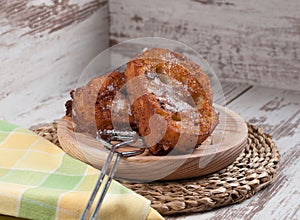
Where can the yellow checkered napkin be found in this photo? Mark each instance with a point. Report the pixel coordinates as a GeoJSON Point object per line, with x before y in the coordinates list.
{"type": "Point", "coordinates": [39, 181]}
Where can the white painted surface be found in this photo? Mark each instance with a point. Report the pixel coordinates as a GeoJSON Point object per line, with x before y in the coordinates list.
{"type": "Point", "coordinates": [38, 70]}
{"type": "Point", "coordinates": [256, 42]}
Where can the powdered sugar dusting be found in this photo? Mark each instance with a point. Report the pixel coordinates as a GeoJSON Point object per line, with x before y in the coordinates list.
{"type": "Point", "coordinates": [151, 75]}
{"type": "Point", "coordinates": [120, 104]}
{"type": "Point", "coordinates": [110, 88]}
{"type": "Point", "coordinates": [173, 94]}
{"type": "Point", "coordinates": [170, 58]}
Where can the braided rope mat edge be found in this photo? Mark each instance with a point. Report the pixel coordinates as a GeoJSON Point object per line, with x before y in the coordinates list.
{"type": "Point", "coordinates": [253, 170]}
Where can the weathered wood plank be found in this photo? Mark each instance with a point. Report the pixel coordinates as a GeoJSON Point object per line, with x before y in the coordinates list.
{"type": "Point", "coordinates": [44, 47]}
{"type": "Point", "coordinates": [244, 41]}
{"type": "Point", "coordinates": [231, 91]}
{"type": "Point", "coordinates": [277, 111]}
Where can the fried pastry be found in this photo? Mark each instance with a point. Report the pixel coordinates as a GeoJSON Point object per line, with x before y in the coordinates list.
{"type": "Point", "coordinates": [169, 105]}
{"type": "Point", "coordinates": [91, 106]}
{"type": "Point", "coordinates": [171, 101]}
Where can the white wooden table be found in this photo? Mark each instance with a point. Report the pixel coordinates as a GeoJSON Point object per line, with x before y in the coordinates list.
{"type": "Point", "coordinates": [278, 112]}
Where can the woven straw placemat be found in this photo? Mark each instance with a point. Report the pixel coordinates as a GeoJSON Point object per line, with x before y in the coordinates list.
{"type": "Point", "coordinates": [253, 170]}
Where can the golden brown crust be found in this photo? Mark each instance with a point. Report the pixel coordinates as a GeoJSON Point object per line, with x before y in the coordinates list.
{"type": "Point", "coordinates": [92, 104]}
{"type": "Point", "coordinates": [182, 129]}
{"type": "Point", "coordinates": [193, 68]}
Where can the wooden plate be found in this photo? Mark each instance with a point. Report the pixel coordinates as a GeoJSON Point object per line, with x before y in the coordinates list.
{"type": "Point", "coordinates": [225, 144]}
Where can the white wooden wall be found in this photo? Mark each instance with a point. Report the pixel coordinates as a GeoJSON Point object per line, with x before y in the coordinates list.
{"type": "Point", "coordinates": [255, 41]}
{"type": "Point", "coordinates": [45, 44]}
{"type": "Point", "coordinates": [44, 47]}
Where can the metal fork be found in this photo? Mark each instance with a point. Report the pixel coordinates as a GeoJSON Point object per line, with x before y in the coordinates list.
{"type": "Point", "coordinates": [124, 138]}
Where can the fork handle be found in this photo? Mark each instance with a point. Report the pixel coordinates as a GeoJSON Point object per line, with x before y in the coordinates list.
{"type": "Point", "coordinates": [98, 184]}
{"type": "Point", "coordinates": [106, 186]}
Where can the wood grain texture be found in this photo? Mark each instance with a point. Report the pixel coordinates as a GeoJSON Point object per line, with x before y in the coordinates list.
{"type": "Point", "coordinates": [44, 47]}
{"type": "Point", "coordinates": [226, 143]}
{"type": "Point", "coordinates": [230, 91]}
{"type": "Point", "coordinates": [277, 111]}
{"type": "Point", "coordinates": [45, 16]}
{"type": "Point", "coordinates": [253, 41]}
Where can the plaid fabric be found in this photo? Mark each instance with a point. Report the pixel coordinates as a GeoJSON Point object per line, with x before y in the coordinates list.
{"type": "Point", "coordinates": [39, 181]}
